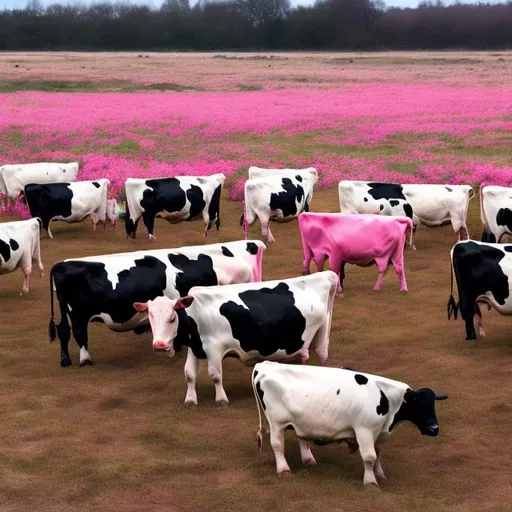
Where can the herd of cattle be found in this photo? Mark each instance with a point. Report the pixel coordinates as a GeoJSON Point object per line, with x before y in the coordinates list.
{"type": "Point", "coordinates": [212, 299]}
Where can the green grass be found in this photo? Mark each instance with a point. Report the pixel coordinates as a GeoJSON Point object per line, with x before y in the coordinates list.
{"type": "Point", "coordinates": [128, 146]}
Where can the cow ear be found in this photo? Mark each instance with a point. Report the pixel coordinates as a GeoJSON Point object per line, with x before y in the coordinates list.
{"type": "Point", "coordinates": [441, 396]}
{"type": "Point", "coordinates": [184, 302]}
{"type": "Point", "coordinates": [140, 306]}
{"type": "Point", "coordinates": [410, 395]}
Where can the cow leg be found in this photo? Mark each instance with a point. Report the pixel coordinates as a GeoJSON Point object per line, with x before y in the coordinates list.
{"type": "Point", "coordinates": [215, 373]}
{"type": "Point", "coordinates": [277, 443]}
{"type": "Point", "coordinates": [191, 367]}
{"type": "Point", "coordinates": [64, 336]}
{"type": "Point", "coordinates": [382, 266]}
{"type": "Point", "coordinates": [399, 267]}
{"type": "Point", "coordinates": [480, 320]}
{"type": "Point", "coordinates": [26, 283]}
{"type": "Point", "coordinates": [265, 231]}
{"type": "Point", "coordinates": [79, 327]}
{"type": "Point", "coordinates": [342, 274]}
{"type": "Point", "coordinates": [468, 311]}
{"type": "Point", "coordinates": [377, 468]}
{"type": "Point", "coordinates": [367, 449]}
{"type": "Point", "coordinates": [207, 223]}
{"type": "Point", "coordinates": [305, 454]}
{"type": "Point", "coordinates": [149, 221]}
{"type": "Point", "coordinates": [306, 264]}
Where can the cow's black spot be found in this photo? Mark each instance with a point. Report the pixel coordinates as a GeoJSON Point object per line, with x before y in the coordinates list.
{"type": "Point", "coordinates": [96, 184]}
{"type": "Point", "coordinates": [338, 392]}
{"type": "Point", "coordinates": [488, 237]}
{"type": "Point", "coordinates": [227, 252]}
{"type": "Point", "coordinates": [360, 379]}
{"type": "Point", "coordinates": [252, 248]}
{"type": "Point", "coordinates": [365, 199]}
{"type": "Point", "coordinates": [269, 323]}
{"type": "Point", "coordinates": [255, 374]}
{"type": "Point", "coordinates": [286, 200]}
{"type": "Point", "coordinates": [197, 202]}
{"type": "Point", "coordinates": [394, 202]}
{"type": "Point", "coordinates": [193, 272]}
{"type": "Point", "coordinates": [449, 189]}
{"type": "Point", "coordinates": [381, 207]}
{"type": "Point", "coordinates": [386, 191]}
{"type": "Point", "coordinates": [319, 442]}
{"type": "Point", "coordinates": [408, 210]}
{"type": "Point", "coordinates": [383, 407]}
{"type": "Point", "coordinates": [188, 334]}
{"type": "Point", "coordinates": [49, 201]}
{"type": "Point", "coordinates": [508, 248]}
{"type": "Point", "coordinates": [260, 394]}
{"type": "Point", "coordinates": [5, 251]}
{"type": "Point", "coordinates": [504, 218]}
{"type": "Point", "coordinates": [214, 207]}
{"type": "Point", "coordinates": [298, 178]}
{"type": "Point", "coordinates": [14, 245]}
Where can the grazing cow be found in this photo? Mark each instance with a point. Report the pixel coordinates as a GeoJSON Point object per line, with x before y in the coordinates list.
{"type": "Point", "coordinates": [358, 239]}
{"type": "Point", "coordinates": [71, 202]}
{"type": "Point", "coordinates": [327, 405]}
{"type": "Point", "coordinates": [430, 205]}
{"type": "Point", "coordinates": [277, 198]}
{"type": "Point", "coordinates": [173, 199]}
{"type": "Point", "coordinates": [483, 272]}
{"type": "Point", "coordinates": [496, 212]}
{"type": "Point", "coordinates": [14, 178]}
{"type": "Point", "coordinates": [262, 172]}
{"type": "Point", "coordinates": [274, 320]}
{"type": "Point", "coordinates": [19, 247]}
{"type": "Point", "coordinates": [104, 288]}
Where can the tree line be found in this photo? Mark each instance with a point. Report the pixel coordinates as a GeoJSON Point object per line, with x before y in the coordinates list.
{"type": "Point", "coordinates": [256, 25]}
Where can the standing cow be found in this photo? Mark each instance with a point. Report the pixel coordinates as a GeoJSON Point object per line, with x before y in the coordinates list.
{"type": "Point", "coordinates": [332, 405]}
{"type": "Point", "coordinates": [71, 202]}
{"type": "Point", "coordinates": [357, 239]}
{"type": "Point", "coordinates": [104, 288]}
{"type": "Point", "coordinates": [19, 247]}
{"type": "Point", "coordinates": [277, 198]}
{"type": "Point", "coordinates": [173, 199]}
{"type": "Point", "coordinates": [483, 272]}
{"type": "Point", "coordinates": [14, 178]}
{"type": "Point", "coordinates": [495, 212]}
{"type": "Point", "coordinates": [272, 320]}
{"type": "Point", "coordinates": [429, 205]}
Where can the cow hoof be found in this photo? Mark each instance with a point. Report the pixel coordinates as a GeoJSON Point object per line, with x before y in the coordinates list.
{"type": "Point", "coordinates": [190, 402]}
{"type": "Point", "coordinates": [285, 473]}
{"type": "Point", "coordinates": [87, 362]}
{"type": "Point", "coordinates": [372, 486]}
{"type": "Point", "coordinates": [222, 402]}
{"type": "Point", "coordinates": [309, 463]}
{"type": "Point", "coordinates": [65, 362]}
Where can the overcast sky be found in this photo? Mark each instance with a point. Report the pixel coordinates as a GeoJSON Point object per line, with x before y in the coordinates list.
{"type": "Point", "coordinates": [17, 4]}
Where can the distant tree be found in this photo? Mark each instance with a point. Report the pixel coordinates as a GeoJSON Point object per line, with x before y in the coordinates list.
{"type": "Point", "coordinates": [34, 6]}
{"type": "Point", "coordinates": [263, 12]}
{"type": "Point", "coordinates": [175, 5]}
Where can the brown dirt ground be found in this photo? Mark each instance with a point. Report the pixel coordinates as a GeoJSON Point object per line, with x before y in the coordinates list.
{"type": "Point", "coordinates": [116, 436]}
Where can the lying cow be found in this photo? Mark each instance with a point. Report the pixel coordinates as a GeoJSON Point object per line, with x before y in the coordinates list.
{"type": "Point", "coordinates": [14, 178]}
{"type": "Point", "coordinates": [19, 247]}
{"type": "Point", "coordinates": [104, 288]}
{"type": "Point", "coordinates": [326, 405]}
{"type": "Point", "coordinates": [173, 199]}
{"type": "Point", "coordinates": [357, 239]}
{"type": "Point", "coordinates": [275, 320]}
{"type": "Point", "coordinates": [71, 202]}
{"type": "Point", "coordinates": [496, 212]}
{"type": "Point", "coordinates": [275, 198]}
{"type": "Point", "coordinates": [429, 205]}
{"type": "Point", "coordinates": [483, 274]}
{"type": "Point", "coordinates": [262, 172]}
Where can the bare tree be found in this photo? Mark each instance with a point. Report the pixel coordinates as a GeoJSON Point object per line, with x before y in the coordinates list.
{"type": "Point", "coordinates": [34, 6]}
{"type": "Point", "coordinates": [260, 12]}
{"type": "Point", "coordinates": [175, 5]}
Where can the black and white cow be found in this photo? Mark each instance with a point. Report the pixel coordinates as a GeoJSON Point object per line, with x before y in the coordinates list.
{"type": "Point", "coordinates": [483, 272]}
{"type": "Point", "coordinates": [272, 320]}
{"type": "Point", "coordinates": [104, 288]}
{"type": "Point", "coordinates": [173, 199]}
{"type": "Point", "coordinates": [496, 212]}
{"type": "Point", "coordinates": [19, 247]}
{"type": "Point", "coordinates": [326, 405]}
{"type": "Point", "coordinates": [71, 202]}
{"type": "Point", "coordinates": [426, 204]}
{"type": "Point", "coordinates": [14, 178]}
{"type": "Point", "coordinates": [277, 198]}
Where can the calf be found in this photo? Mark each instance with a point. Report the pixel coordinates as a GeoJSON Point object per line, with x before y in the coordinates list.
{"type": "Point", "coordinates": [71, 202]}
{"type": "Point", "coordinates": [483, 272]}
{"type": "Point", "coordinates": [430, 205]}
{"type": "Point", "coordinates": [19, 247]}
{"type": "Point", "coordinates": [173, 199]}
{"type": "Point", "coordinates": [274, 320]}
{"type": "Point", "coordinates": [326, 405]}
{"type": "Point", "coordinates": [104, 288]}
{"type": "Point", "coordinates": [14, 178]}
{"type": "Point", "coordinates": [495, 212]}
{"type": "Point", "coordinates": [357, 239]}
{"type": "Point", "coordinates": [275, 198]}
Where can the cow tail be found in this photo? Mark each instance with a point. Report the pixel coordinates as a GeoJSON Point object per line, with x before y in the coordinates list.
{"type": "Point", "coordinates": [411, 234]}
{"type": "Point", "coordinates": [259, 434]}
{"type": "Point", "coordinates": [452, 306]}
{"type": "Point", "coordinates": [52, 331]}
{"type": "Point", "coordinates": [243, 219]}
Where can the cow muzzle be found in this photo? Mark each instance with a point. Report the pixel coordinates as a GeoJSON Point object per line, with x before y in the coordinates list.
{"type": "Point", "coordinates": [161, 346]}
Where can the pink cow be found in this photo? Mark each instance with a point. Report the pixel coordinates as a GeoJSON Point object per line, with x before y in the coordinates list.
{"type": "Point", "coordinates": [358, 239]}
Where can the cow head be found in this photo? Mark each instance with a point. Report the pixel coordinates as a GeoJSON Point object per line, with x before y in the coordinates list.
{"type": "Point", "coordinates": [418, 407]}
{"type": "Point", "coordinates": [163, 318]}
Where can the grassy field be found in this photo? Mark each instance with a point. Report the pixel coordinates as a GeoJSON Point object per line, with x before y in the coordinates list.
{"type": "Point", "coordinates": [116, 436]}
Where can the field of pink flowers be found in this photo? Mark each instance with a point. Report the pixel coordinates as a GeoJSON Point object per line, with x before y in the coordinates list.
{"type": "Point", "coordinates": [383, 127]}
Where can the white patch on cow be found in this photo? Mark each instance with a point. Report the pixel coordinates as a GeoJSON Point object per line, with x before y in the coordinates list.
{"type": "Point", "coordinates": [85, 357]}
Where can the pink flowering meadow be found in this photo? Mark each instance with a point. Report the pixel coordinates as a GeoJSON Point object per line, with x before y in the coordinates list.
{"type": "Point", "coordinates": [387, 126]}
